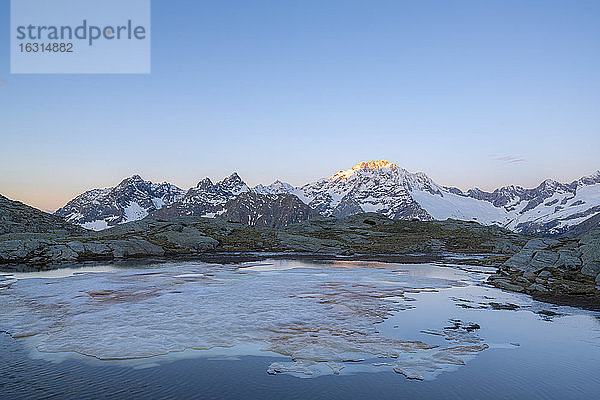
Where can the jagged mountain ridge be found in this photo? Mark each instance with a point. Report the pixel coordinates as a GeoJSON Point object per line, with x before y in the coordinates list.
{"type": "Point", "coordinates": [550, 208]}
{"type": "Point", "coordinates": [206, 199]}
{"type": "Point", "coordinates": [384, 187]}
{"type": "Point", "coordinates": [381, 186]}
{"type": "Point", "coordinates": [131, 200]}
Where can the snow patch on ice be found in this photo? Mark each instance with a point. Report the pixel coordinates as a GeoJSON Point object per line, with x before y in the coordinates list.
{"type": "Point", "coordinates": [326, 322]}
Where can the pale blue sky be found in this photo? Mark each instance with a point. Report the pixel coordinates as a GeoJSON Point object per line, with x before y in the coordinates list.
{"type": "Point", "coordinates": [299, 90]}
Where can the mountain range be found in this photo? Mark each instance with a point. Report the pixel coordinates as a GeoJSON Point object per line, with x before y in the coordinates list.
{"type": "Point", "coordinates": [376, 186]}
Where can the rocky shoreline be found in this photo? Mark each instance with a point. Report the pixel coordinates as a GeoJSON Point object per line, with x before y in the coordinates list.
{"type": "Point", "coordinates": [559, 270]}
{"type": "Point", "coordinates": [360, 236]}
{"type": "Point", "coordinates": [564, 271]}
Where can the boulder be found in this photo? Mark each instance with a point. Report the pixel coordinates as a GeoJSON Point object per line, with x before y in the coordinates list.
{"type": "Point", "coordinates": [19, 249]}
{"type": "Point", "coordinates": [96, 249]}
{"type": "Point", "coordinates": [310, 244]}
{"type": "Point", "coordinates": [542, 259]}
{"type": "Point", "coordinates": [189, 238]}
{"type": "Point", "coordinates": [590, 255]}
{"type": "Point", "coordinates": [57, 253]}
{"type": "Point", "coordinates": [134, 248]}
{"type": "Point", "coordinates": [569, 259]}
{"type": "Point", "coordinates": [505, 284]}
{"type": "Point", "coordinates": [534, 256]}
{"type": "Point", "coordinates": [536, 287]}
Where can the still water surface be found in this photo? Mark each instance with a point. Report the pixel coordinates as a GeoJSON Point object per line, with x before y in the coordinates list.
{"type": "Point", "coordinates": [291, 330]}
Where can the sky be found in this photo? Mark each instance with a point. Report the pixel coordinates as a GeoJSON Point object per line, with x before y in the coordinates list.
{"type": "Point", "coordinates": [473, 93]}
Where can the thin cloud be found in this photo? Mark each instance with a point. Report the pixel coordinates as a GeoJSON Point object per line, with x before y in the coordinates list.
{"type": "Point", "coordinates": [3, 82]}
{"type": "Point", "coordinates": [511, 159]}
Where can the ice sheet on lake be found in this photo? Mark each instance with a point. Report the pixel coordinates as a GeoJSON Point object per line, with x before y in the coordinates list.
{"type": "Point", "coordinates": [325, 319]}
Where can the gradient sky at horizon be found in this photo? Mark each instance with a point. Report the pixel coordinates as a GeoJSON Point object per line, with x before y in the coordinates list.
{"type": "Point", "coordinates": [473, 93]}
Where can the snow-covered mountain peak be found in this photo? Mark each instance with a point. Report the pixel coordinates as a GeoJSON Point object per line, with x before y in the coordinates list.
{"type": "Point", "coordinates": [281, 184]}
{"type": "Point", "coordinates": [205, 183]}
{"type": "Point", "coordinates": [592, 179]}
{"type": "Point", "coordinates": [132, 180]}
{"type": "Point", "coordinates": [234, 184]}
{"type": "Point", "coordinates": [550, 184]}
{"type": "Point", "coordinates": [234, 177]}
{"type": "Point", "coordinates": [419, 182]}
{"type": "Point", "coordinates": [132, 199]}
{"type": "Point", "coordinates": [374, 186]}
{"type": "Point", "coordinates": [277, 187]}
{"type": "Point", "coordinates": [365, 165]}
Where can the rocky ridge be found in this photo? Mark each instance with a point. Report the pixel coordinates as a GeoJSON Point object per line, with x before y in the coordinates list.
{"type": "Point", "coordinates": [20, 219]}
